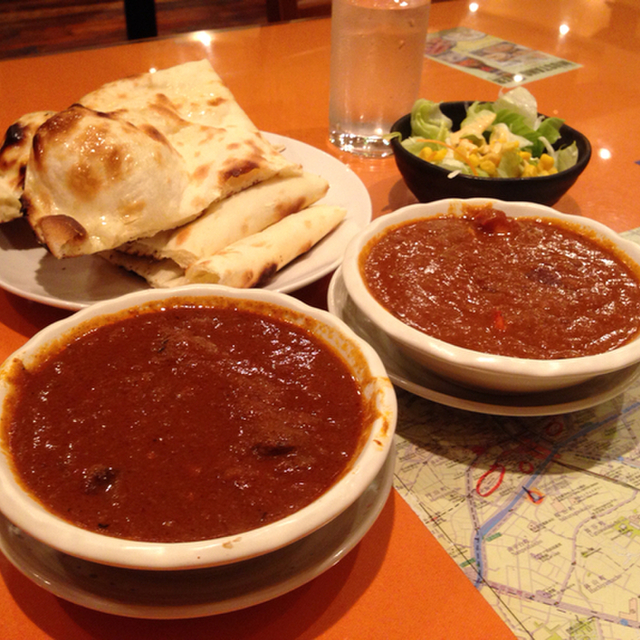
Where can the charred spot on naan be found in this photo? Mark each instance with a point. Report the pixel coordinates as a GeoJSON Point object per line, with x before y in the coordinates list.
{"type": "Point", "coordinates": [264, 276]}
{"type": "Point", "coordinates": [60, 126]}
{"type": "Point", "coordinates": [155, 134]}
{"type": "Point", "coordinates": [168, 113]}
{"type": "Point", "coordinates": [286, 208]}
{"type": "Point", "coordinates": [161, 101]}
{"type": "Point", "coordinates": [16, 136]}
{"type": "Point", "coordinates": [60, 231]}
{"type": "Point", "coordinates": [238, 169]}
{"type": "Point", "coordinates": [14, 153]}
{"type": "Point", "coordinates": [216, 102]}
{"type": "Point", "coordinates": [83, 181]}
{"type": "Point", "coordinates": [201, 172]}
{"type": "Point", "coordinates": [183, 235]}
{"type": "Point", "coordinates": [16, 133]}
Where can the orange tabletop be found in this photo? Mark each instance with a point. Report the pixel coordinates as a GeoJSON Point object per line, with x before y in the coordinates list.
{"type": "Point", "coordinates": [398, 582]}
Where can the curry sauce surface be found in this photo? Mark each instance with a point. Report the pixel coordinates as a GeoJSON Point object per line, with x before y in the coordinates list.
{"type": "Point", "coordinates": [522, 287]}
{"type": "Point", "coordinates": [185, 424]}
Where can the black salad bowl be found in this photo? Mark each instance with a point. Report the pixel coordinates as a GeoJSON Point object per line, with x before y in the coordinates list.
{"type": "Point", "coordinates": [429, 182]}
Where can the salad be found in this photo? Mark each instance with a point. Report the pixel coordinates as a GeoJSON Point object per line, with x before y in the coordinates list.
{"type": "Point", "coordinates": [502, 139]}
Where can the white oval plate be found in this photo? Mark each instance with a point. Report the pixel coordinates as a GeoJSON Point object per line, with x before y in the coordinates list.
{"type": "Point", "coordinates": [197, 592]}
{"type": "Point", "coordinates": [30, 271]}
{"type": "Point", "coordinates": [413, 377]}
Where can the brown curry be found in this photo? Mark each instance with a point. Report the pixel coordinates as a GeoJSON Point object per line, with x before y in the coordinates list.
{"type": "Point", "coordinates": [523, 287]}
{"type": "Point", "coordinates": [185, 423]}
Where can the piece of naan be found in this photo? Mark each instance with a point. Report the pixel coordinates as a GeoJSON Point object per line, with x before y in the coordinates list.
{"type": "Point", "coordinates": [93, 180]}
{"type": "Point", "coordinates": [193, 90]}
{"type": "Point", "coordinates": [158, 273]}
{"type": "Point", "coordinates": [14, 155]}
{"type": "Point", "coordinates": [140, 156]}
{"type": "Point", "coordinates": [253, 260]}
{"type": "Point", "coordinates": [249, 262]}
{"type": "Point", "coordinates": [229, 220]}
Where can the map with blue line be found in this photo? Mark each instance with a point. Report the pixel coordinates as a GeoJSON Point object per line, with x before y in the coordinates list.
{"type": "Point", "coordinates": [541, 513]}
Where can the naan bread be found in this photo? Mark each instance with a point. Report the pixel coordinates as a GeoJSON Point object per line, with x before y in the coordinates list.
{"type": "Point", "coordinates": [233, 218]}
{"type": "Point", "coordinates": [223, 150]}
{"type": "Point", "coordinates": [93, 180]}
{"type": "Point", "coordinates": [141, 156]}
{"type": "Point", "coordinates": [193, 90]}
{"type": "Point", "coordinates": [164, 175]}
{"type": "Point", "coordinates": [253, 260]}
{"type": "Point", "coordinates": [14, 155]}
{"type": "Point", "coordinates": [157, 273]}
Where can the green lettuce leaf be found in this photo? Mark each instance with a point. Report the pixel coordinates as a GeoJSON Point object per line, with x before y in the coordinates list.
{"type": "Point", "coordinates": [566, 157]}
{"type": "Point", "coordinates": [550, 129]}
{"type": "Point", "coordinates": [515, 109]}
{"type": "Point", "coordinates": [428, 121]}
{"type": "Point", "coordinates": [520, 101]}
{"type": "Point", "coordinates": [509, 164]}
{"type": "Point", "coordinates": [415, 144]}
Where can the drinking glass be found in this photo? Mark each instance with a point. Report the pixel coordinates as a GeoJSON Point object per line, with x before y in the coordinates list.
{"type": "Point", "coordinates": [377, 53]}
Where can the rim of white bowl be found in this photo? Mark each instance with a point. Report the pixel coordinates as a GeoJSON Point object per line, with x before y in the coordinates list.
{"type": "Point", "coordinates": [29, 515]}
{"type": "Point", "coordinates": [592, 365]}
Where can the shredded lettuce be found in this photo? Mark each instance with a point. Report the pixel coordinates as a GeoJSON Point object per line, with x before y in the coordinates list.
{"type": "Point", "coordinates": [512, 118]}
{"type": "Point", "coordinates": [415, 144]}
{"type": "Point", "coordinates": [520, 101]}
{"type": "Point", "coordinates": [500, 132]}
{"type": "Point", "coordinates": [474, 127]}
{"type": "Point", "coordinates": [566, 157]}
{"type": "Point", "coordinates": [509, 164]}
{"type": "Point", "coordinates": [427, 121]}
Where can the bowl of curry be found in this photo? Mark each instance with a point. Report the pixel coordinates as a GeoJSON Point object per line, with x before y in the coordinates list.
{"type": "Point", "coordinates": [508, 297]}
{"type": "Point", "coordinates": [193, 427]}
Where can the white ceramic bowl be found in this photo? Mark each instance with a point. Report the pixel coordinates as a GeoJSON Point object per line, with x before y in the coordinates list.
{"type": "Point", "coordinates": [473, 368]}
{"type": "Point", "coordinates": [28, 514]}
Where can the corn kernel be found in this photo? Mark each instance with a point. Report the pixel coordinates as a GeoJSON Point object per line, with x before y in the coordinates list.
{"type": "Point", "coordinates": [439, 156]}
{"type": "Point", "coordinates": [465, 146]}
{"type": "Point", "coordinates": [426, 153]}
{"type": "Point", "coordinates": [525, 155]}
{"type": "Point", "coordinates": [473, 159]}
{"type": "Point", "coordinates": [488, 167]}
{"type": "Point", "coordinates": [546, 161]}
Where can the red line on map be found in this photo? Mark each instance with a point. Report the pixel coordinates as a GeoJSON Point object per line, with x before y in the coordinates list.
{"type": "Point", "coordinates": [525, 466]}
{"type": "Point", "coordinates": [496, 469]}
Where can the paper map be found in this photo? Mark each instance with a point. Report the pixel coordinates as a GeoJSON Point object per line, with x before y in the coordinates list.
{"type": "Point", "coordinates": [491, 58]}
{"type": "Point", "coordinates": [542, 514]}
